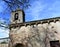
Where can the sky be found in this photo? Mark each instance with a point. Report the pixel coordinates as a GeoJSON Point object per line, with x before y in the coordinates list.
{"type": "Point", "coordinates": [39, 9]}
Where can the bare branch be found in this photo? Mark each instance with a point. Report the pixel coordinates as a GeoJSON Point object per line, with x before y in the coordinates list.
{"type": "Point", "coordinates": [14, 4]}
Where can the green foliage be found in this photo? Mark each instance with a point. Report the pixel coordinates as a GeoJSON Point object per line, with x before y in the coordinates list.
{"type": "Point", "coordinates": [3, 42]}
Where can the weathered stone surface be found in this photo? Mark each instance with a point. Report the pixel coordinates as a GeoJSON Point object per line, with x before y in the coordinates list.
{"type": "Point", "coordinates": [33, 34]}
{"type": "Point", "coordinates": [36, 35]}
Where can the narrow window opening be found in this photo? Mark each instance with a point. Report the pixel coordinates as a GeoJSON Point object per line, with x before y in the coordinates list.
{"type": "Point", "coordinates": [16, 16]}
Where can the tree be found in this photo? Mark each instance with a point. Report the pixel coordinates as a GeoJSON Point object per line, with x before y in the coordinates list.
{"type": "Point", "coordinates": [3, 42]}
{"type": "Point", "coordinates": [14, 4]}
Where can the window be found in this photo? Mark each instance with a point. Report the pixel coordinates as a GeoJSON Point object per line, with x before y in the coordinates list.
{"type": "Point", "coordinates": [16, 16]}
{"type": "Point", "coordinates": [19, 45]}
{"type": "Point", "coordinates": [54, 43]}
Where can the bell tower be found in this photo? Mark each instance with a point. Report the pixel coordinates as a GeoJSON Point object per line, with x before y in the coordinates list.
{"type": "Point", "coordinates": [17, 16]}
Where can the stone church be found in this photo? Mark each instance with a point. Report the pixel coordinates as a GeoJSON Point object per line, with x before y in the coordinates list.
{"type": "Point", "coordinates": [39, 33]}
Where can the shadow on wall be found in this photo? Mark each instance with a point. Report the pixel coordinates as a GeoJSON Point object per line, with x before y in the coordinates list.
{"type": "Point", "coordinates": [55, 43]}
{"type": "Point", "coordinates": [19, 45]}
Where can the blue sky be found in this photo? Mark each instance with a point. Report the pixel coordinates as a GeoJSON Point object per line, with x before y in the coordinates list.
{"type": "Point", "coordinates": [39, 9]}
{"type": "Point", "coordinates": [43, 9]}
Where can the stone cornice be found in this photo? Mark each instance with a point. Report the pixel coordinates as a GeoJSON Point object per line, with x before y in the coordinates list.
{"type": "Point", "coordinates": [36, 22]}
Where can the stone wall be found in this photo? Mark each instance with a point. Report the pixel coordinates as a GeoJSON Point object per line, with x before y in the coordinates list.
{"type": "Point", "coordinates": [35, 35]}
{"type": "Point", "coordinates": [3, 45]}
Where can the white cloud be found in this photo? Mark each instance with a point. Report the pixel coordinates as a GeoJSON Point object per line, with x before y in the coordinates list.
{"type": "Point", "coordinates": [4, 32]}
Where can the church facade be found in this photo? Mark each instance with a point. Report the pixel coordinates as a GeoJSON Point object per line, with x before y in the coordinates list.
{"type": "Point", "coordinates": [40, 33]}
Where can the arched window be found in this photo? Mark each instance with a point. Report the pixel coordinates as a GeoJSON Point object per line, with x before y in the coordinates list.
{"type": "Point", "coordinates": [16, 16]}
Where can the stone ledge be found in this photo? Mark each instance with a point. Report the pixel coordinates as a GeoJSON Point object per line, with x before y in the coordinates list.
{"type": "Point", "coordinates": [35, 22]}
